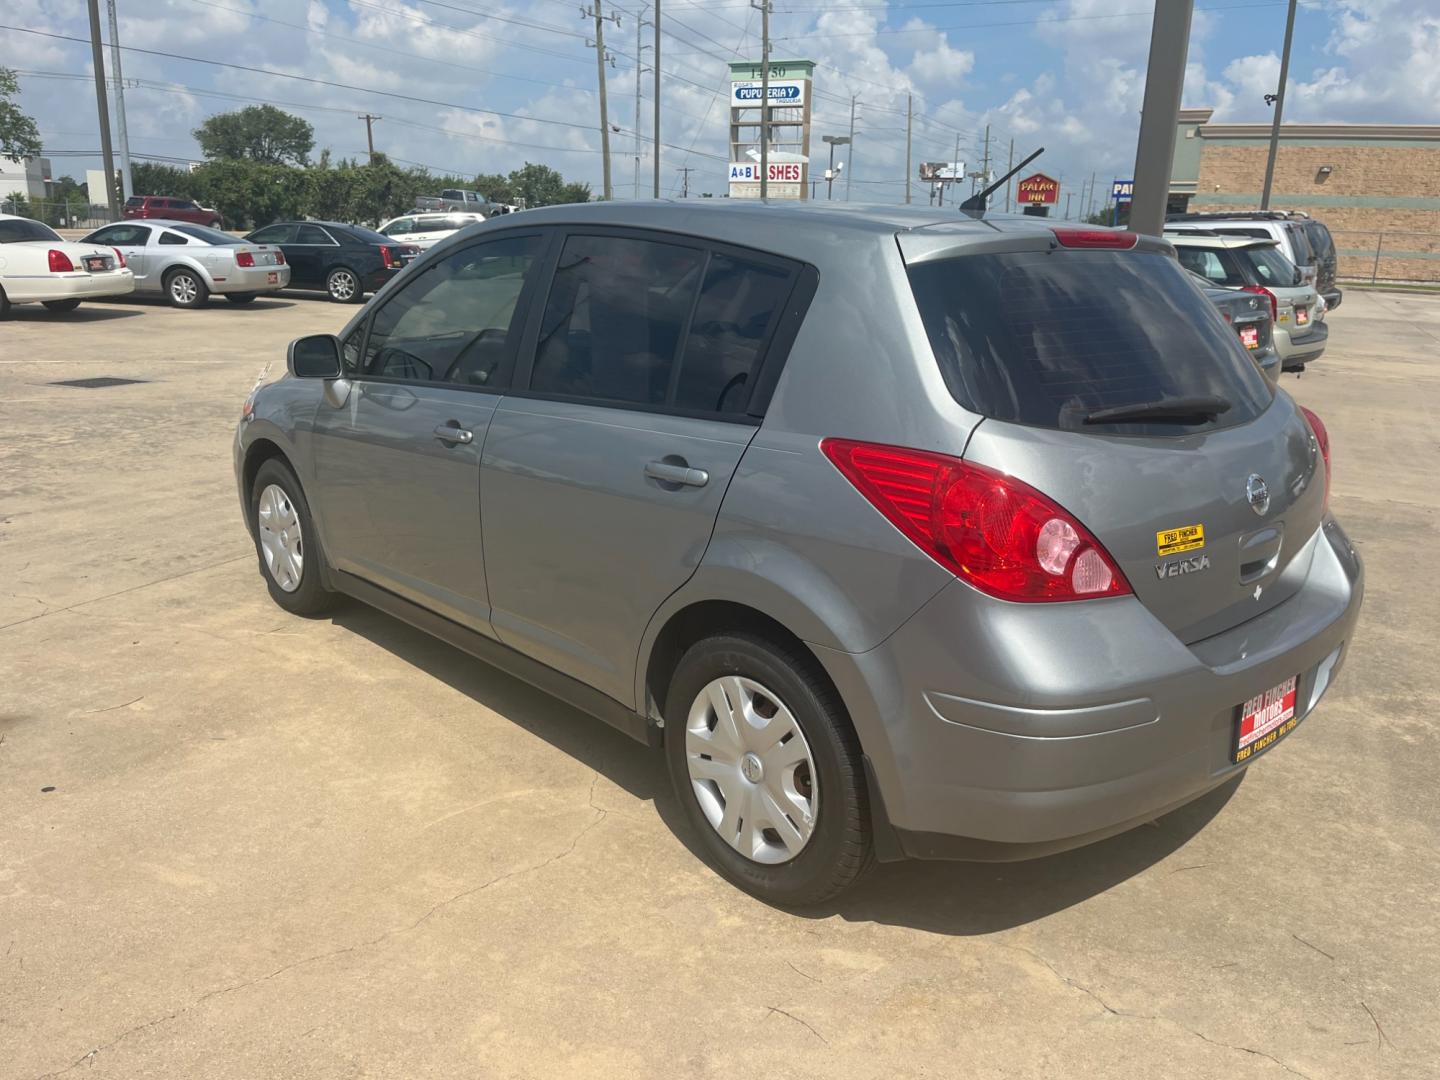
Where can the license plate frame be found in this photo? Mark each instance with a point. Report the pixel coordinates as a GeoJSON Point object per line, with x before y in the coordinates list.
{"type": "Point", "coordinates": [273, 277]}
{"type": "Point", "coordinates": [1264, 720]}
{"type": "Point", "coordinates": [1302, 316]}
{"type": "Point", "coordinates": [1250, 337]}
{"type": "Point", "coordinates": [95, 264]}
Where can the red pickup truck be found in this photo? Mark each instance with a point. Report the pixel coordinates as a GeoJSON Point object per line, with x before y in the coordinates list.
{"type": "Point", "coordinates": [171, 209]}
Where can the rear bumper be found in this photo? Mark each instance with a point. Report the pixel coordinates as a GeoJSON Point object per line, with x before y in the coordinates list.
{"type": "Point", "coordinates": [77, 286]}
{"type": "Point", "coordinates": [1000, 731]}
{"type": "Point", "coordinates": [252, 279]}
{"type": "Point", "coordinates": [1296, 350]}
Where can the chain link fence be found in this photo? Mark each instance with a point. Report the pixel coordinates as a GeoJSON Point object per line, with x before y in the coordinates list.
{"type": "Point", "coordinates": [1406, 257]}
{"type": "Point", "coordinates": [58, 214]}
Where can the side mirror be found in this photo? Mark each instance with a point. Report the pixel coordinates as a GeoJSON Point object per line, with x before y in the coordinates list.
{"type": "Point", "coordinates": [314, 357]}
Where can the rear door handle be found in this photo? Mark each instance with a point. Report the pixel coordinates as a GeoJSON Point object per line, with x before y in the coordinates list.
{"type": "Point", "coordinates": [668, 473]}
{"type": "Point", "coordinates": [453, 433]}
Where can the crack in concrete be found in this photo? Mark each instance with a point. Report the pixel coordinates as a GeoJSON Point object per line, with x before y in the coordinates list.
{"type": "Point", "coordinates": [802, 1023]}
{"type": "Point", "coordinates": [1317, 948]}
{"type": "Point", "coordinates": [1124, 1014]}
{"type": "Point", "coordinates": [222, 991]}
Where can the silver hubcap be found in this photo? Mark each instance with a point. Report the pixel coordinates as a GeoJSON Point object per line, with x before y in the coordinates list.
{"type": "Point", "coordinates": [280, 540]}
{"type": "Point", "coordinates": [342, 286]}
{"type": "Point", "coordinates": [184, 289]}
{"type": "Point", "coordinates": [751, 770]}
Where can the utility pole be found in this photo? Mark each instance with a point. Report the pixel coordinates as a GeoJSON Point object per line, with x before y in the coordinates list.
{"type": "Point", "coordinates": [685, 181]}
{"type": "Point", "coordinates": [655, 127]}
{"type": "Point", "coordinates": [1279, 110]}
{"type": "Point", "coordinates": [850, 154]}
{"type": "Point", "coordinates": [601, 59]}
{"type": "Point", "coordinates": [1090, 196]}
{"type": "Point", "coordinates": [1009, 168]}
{"type": "Point", "coordinates": [1068, 196]}
{"type": "Point", "coordinates": [640, 69]}
{"type": "Point", "coordinates": [127, 186]}
{"type": "Point", "coordinates": [764, 6]}
{"type": "Point", "coordinates": [370, 133]}
{"type": "Point", "coordinates": [98, 57]}
{"type": "Point", "coordinates": [956, 179]}
{"type": "Point", "coordinates": [985, 161]}
{"type": "Point", "coordinates": [909, 122]}
{"type": "Point", "coordinates": [1160, 115]}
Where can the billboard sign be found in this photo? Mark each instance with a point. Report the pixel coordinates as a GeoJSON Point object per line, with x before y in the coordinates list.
{"type": "Point", "coordinates": [934, 172]}
{"type": "Point", "coordinates": [784, 172]}
{"type": "Point", "coordinates": [1037, 189]}
{"type": "Point", "coordinates": [746, 94]}
{"type": "Point", "coordinates": [1122, 190]}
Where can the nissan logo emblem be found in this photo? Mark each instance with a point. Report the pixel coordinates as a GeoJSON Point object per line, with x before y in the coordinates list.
{"type": "Point", "coordinates": [1257, 494]}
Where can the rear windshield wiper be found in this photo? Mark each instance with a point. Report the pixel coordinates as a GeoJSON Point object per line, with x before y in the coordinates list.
{"type": "Point", "coordinates": [1180, 409]}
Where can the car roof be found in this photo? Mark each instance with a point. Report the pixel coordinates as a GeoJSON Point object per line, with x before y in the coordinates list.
{"type": "Point", "coordinates": [145, 222]}
{"type": "Point", "coordinates": [1194, 239]}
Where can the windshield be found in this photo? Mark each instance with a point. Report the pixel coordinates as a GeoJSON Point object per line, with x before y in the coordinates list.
{"type": "Point", "coordinates": [1271, 267]}
{"type": "Point", "coordinates": [210, 236]}
{"type": "Point", "coordinates": [1049, 338]}
{"type": "Point", "coordinates": [23, 230]}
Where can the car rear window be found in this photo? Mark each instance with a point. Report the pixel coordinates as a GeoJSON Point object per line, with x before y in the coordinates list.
{"type": "Point", "coordinates": [23, 230]}
{"type": "Point", "coordinates": [135, 200]}
{"type": "Point", "coordinates": [210, 236]}
{"type": "Point", "coordinates": [1046, 338]}
{"type": "Point", "coordinates": [1270, 266]}
{"type": "Point", "coordinates": [364, 235]}
{"type": "Point", "coordinates": [1300, 243]}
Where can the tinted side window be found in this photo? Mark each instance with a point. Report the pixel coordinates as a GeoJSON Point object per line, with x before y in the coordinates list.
{"type": "Point", "coordinates": [122, 235]}
{"type": "Point", "coordinates": [738, 306]}
{"type": "Point", "coordinates": [1208, 263]}
{"type": "Point", "coordinates": [453, 323]}
{"type": "Point", "coordinates": [614, 318]}
{"type": "Point", "coordinates": [399, 228]}
{"type": "Point", "coordinates": [1300, 244]}
{"type": "Point", "coordinates": [273, 234]}
{"type": "Point", "coordinates": [312, 234]}
{"type": "Point", "coordinates": [168, 237]}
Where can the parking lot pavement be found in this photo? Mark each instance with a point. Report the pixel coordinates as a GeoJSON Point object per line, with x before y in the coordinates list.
{"type": "Point", "coordinates": [241, 844]}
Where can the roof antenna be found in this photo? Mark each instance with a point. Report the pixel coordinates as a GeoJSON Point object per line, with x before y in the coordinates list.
{"type": "Point", "coordinates": [974, 206]}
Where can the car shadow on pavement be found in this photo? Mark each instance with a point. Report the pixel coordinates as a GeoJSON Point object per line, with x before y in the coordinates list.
{"type": "Point", "coordinates": [940, 897]}
{"type": "Point", "coordinates": [34, 313]}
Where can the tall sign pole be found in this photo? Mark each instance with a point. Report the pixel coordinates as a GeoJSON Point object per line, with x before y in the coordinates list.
{"type": "Point", "coordinates": [108, 156]}
{"type": "Point", "coordinates": [655, 133]}
{"type": "Point", "coordinates": [764, 6]}
{"type": "Point", "coordinates": [127, 186]}
{"type": "Point", "coordinates": [1160, 114]}
{"type": "Point", "coordinates": [1279, 110]}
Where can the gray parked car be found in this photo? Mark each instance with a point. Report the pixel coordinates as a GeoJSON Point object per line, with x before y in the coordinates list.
{"type": "Point", "coordinates": [186, 263]}
{"type": "Point", "coordinates": [905, 535]}
{"type": "Point", "coordinates": [1249, 316]}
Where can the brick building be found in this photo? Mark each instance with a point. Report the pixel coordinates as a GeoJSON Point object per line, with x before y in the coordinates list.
{"type": "Point", "coordinates": [1377, 186]}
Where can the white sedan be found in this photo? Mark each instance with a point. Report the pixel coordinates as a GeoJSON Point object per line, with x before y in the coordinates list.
{"type": "Point", "coordinates": [36, 266]}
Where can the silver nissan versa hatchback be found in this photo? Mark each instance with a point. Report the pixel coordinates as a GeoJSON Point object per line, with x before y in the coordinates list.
{"type": "Point", "coordinates": [905, 534]}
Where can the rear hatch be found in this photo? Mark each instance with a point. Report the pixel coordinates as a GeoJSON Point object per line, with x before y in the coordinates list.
{"type": "Point", "coordinates": [1209, 512]}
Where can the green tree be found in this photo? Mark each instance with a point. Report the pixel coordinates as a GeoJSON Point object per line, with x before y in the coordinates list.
{"type": "Point", "coordinates": [493, 186]}
{"type": "Point", "coordinates": [540, 185]}
{"type": "Point", "coordinates": [19, 137]}
{"type": "Point", "coordinates": [260, 133]}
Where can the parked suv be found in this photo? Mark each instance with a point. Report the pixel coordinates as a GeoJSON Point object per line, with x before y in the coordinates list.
{"type": "Point", "coordinates": [905, 535]}
{"type": "Point", "coordinates": [1256, 266]}
{"type": "Point", "coordinates": [172, 209]}
{"type": "Point", "coordinates": [1303, 240]}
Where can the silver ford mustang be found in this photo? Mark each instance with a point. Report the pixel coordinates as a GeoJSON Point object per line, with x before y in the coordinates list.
{"type": "Point", "coordinates": [186, 263]}
{"type": "Point", "coordinates": [906, 534]}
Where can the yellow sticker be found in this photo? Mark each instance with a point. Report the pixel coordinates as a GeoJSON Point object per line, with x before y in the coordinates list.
{"type": "Point", "coordinates": [1174, 541]}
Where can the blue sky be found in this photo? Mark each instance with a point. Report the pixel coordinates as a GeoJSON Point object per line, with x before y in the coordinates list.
{"type": "Point", "coordinates": [1066, 74]}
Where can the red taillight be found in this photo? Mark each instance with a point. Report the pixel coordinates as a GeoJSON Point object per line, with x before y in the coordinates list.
{"type": "Point", "coordinates": [119, 255]}
{"type": "Point", "coordinates": [1260, 290]}
{"type": "Point", "coordinates": [60, 263]}
{"type": "Point", "coordinates": [279, 257]}
{"type": "Point", "coordinates": [991, 530]}
{"type": "Point", "coordinates": [1095, 238]}
{"type": "Point", "coordinates": [388, 255]}
{"type": "Point", "coordinates": [244, 258]}
{"type": "Point", "coordinates": [1322, 437]}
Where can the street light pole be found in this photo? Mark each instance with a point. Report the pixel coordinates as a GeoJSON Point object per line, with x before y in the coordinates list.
{"type": "Point", "coordinates": [1279, 109]}
{"type": "Point", "coordinates": [850, 154]}
{"type": "Point", "coordinates": [833, 141]}
{"type": "Point", "coordinates": [108, 156]}
{"type": "Point", "coordinates": [655, 134]}
{"type": "Point", "coordinates": [127, 186]}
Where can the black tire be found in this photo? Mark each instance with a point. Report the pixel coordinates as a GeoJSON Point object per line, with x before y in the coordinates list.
{"type": "Point", "coordinates": [4, 305]}
{"type": "Point", "coordinates": [336, 287]}
{"type": "Point", "coordinates": [241, 297]}
{"type": "Point", "coordinates": [310, 597]}
{"type": "Point", "coordinates": [61, 305]}
{"type": "Point", "coordinates": [839, 849]}
{"type": "Point", "coordinates": [185, 288]}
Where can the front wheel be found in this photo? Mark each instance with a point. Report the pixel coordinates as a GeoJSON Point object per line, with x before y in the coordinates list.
{"type": "Point", "coordinates": [185, 289]}
{"type": "Point", "coordinates": [61, 305]}
{"type": "Point", "coordinates": [343, 286]}
{"type": "Point", "coordinates": [4, 305]}
{"type": "Point", "coordinates": [285, 540]}
{"type": "Point", "coordinates": [767, 769]}
{"type": "Point", "coordinates": [241, 297]}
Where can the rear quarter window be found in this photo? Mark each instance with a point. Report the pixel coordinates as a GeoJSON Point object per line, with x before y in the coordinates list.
{"type": "Point", "coordinates": [1046, 338]}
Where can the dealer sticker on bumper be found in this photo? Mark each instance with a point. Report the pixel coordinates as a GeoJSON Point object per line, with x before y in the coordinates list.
{"type": "Point", "coordinates": [1265, 719]}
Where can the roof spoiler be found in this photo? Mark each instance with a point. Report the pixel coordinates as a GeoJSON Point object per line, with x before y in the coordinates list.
{"type": "Point", "coordinates": [975, 204]}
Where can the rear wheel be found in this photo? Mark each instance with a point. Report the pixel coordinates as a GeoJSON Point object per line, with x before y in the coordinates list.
{"type": "Point", "coordinates": [285, 540]}
{"type": "Point", "coordinates": [185, 289]}
{"type": "Point", "coordinates": [62, 305]}
{"type": "Point", "coordinates": [4, 304]}
{"type": "Point", "coordinates": [767, 769]}
{"type": "Point", "coordinates": [344, 286]}
{"type": "Point", "coordinates": [241, 297]}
